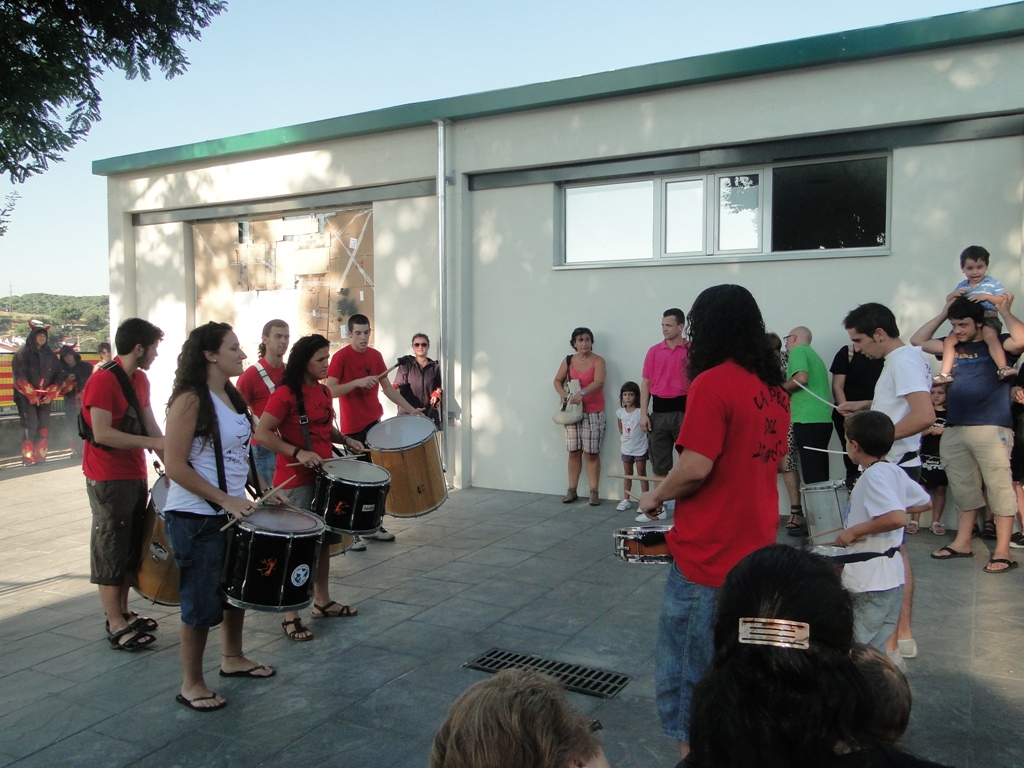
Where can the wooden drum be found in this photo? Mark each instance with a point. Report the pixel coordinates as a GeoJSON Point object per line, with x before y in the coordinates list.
{"type": "Point", "coordinates": [406, 447]}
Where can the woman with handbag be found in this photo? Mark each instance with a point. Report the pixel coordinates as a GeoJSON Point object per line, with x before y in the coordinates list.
{"type": "Point", "coordinates": [580, 383]}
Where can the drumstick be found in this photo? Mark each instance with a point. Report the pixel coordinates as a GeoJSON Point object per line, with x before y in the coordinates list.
{"type": "Point", "coordinates": [641, 478]}
{"type": "Point", "coordinates": [834, 530]}
{"type": "Point", "coordinates": [815, 396]}
{"type": "Point", "coordinates": [824, 450]}
{"type": "Point", "coordinates": [272, 490]}
{"type": "Point", "coordinates": [379, 376]}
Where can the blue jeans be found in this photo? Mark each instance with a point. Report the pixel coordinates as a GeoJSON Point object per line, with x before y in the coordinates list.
{"type": "Point", "coordinates": [684, 651]}
{"type": "Point", "coordinates": [266, 462]}
{"type": "Point", "coordinates": [875, 615]}
{"type": "Point", "coordinates": [199, 547]}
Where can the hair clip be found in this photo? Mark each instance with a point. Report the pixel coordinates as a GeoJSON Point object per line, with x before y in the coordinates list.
{"type": "Point", "coordinates": [777, 632]}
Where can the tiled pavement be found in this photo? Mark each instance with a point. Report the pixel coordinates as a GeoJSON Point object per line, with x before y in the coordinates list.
{"type": "Point", "coordinates": [519, 571]}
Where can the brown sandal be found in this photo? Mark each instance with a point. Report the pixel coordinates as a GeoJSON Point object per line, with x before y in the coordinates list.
{"type": "Point", "coordinates": [570, 497]}
{"type": "Point", "coordinates": [293, 634]}
{"type": "Point", "coordinates": [344, 611]}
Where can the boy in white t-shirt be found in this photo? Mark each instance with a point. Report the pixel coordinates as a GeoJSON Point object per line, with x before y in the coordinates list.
{"type": "Point", "coordinates": [879, 504]}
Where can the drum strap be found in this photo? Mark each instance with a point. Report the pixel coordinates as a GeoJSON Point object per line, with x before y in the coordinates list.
{"type": "Point", "coordinates": [300, 405]}
{"type": "Point", "coordinates": [265, 376]}
{"type": "Point", "coordinates": [218, 452]}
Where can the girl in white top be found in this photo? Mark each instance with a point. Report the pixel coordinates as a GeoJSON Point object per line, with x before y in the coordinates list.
{"type": "Point", "coordinates": [203, 400]}
{"type": "Point", "coordinates": [634, 440]}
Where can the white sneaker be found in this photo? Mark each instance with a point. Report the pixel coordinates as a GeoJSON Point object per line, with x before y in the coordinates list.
{"type": "Point", "coordinates": [623, 506]}
{"type": "Point", "coordinates": [642, 518]}
{"type": "Point", "coordinates": [380, 535]}
{"type": "Point", "coordinates": [897, 658]}
{"type": "Point", "coordinates": [358, 545]}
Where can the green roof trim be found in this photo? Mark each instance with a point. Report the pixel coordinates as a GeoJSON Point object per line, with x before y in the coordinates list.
{"type": "Point", "coordinates": [873, 42]}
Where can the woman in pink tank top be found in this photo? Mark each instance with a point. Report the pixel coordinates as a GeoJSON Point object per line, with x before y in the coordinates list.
{"type": "Point", "coordinates": [583, 439]}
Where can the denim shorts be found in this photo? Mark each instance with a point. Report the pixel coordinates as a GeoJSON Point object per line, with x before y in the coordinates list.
{"type": "Point", "coordinates": [875, 615]}
{"type": "Point", "coordinates": [266, 463]}
{"type": "Point", "coordinates": [199, 547]}
{"type": "Point", "coordinates": [684, 651]}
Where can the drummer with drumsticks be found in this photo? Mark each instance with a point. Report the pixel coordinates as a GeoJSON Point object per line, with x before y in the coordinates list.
{"type": "Point", "coordinates": [356, 375]}
{"type": "Point", "coordinates": [209, 428]}
{"type": "Point", "coordinates": [116, 409]}
{"type": "Point", "coordinates": [301, 448]}
{"type": "Point", "coordinates": [724, 484]}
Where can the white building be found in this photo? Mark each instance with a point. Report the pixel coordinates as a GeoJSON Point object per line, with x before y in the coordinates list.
{"type": "Point", "coordinates": [820, 173]}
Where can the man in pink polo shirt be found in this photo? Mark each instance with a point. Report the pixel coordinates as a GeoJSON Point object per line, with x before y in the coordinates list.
{"type": "Point", "coordinates": [663, 390]}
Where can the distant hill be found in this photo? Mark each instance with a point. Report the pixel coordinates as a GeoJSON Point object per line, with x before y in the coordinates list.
{"type": "Point", "coordinates": [85, 316]}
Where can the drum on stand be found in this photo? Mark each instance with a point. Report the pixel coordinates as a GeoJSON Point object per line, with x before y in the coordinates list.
{"type": "Point", "coordinates": [271, 559]}
{"type": "Point", "coordinates": [157, 577]}
{"type": "Point", "coordinates": [349, 495]}
{"type": "Point", "coordinates": [825, 505]}
{"type": "Point", "coordinates": [642, 544]}
{"type": "Point", "coordinates": [406, 447]}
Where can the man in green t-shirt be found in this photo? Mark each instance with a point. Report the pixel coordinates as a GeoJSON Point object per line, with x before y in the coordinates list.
{"type": "Point", "coordinates": [810, 409]}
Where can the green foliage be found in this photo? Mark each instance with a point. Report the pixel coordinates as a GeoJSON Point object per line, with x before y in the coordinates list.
{"type": "Point", "coordinates": [6, 210]}
{"type": "Point", "coordinates": [86, 317]}
{"type": "Point", "coordinates": [52, 52]}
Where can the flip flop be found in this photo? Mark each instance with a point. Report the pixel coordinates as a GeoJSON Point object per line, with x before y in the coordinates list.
{"type": "Point", "coordinates": [190, 703]}
{"type": "Point", "coordinates": [249, 672]}
{"type": "Point", "coordinates": [1010, 565]}
{"type": "Point", "coordinates": [344, 611]}
{"type": "Point", "coordinates": [953, 554]}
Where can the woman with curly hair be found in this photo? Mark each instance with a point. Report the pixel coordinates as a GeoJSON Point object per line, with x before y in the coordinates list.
{"type": "Point", "coordinates": [281, 431]}
{"type": "Point", "coordinates": [515, 719]}
{"type": "Point", "coordinates": [724, 485]}
{"type": "Point", "coordinates": [208, 423]}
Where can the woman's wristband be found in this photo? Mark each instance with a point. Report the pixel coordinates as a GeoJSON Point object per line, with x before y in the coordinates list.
{"type": "Point", "coordinates": [295, 453]}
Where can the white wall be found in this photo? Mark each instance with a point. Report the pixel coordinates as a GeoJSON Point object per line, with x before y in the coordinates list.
{"type": "Point", "coordinates": [513, 312]}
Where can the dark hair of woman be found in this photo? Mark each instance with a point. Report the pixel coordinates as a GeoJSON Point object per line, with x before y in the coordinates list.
{"type": "Point", "coordinates": [302, 352]}
{"type": "Point", "coordinates": [726, 324]}
{"type": "Point", "coordinates": [190, 376]}
{"type": "Point", "coordinates": [781, 707]}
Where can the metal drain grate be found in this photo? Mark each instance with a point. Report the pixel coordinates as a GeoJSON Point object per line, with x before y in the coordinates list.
{"type": "Point", "coordinates": [575, 677]}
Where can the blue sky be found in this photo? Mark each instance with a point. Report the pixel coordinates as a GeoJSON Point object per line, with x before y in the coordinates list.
{"type": "Point", "coordinates": [266, 63]}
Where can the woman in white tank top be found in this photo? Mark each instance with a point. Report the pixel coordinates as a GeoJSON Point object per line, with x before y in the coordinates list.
{"type": "Point", "coordinates": [203, 400]}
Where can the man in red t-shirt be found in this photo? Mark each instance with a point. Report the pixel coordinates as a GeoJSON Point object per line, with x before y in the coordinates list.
{"type": "Point", "coordinates": [114, 465]}
{"type": "Point", "coordinates": [356, 376]}
{"type": "Point", "coordinates": [724, 485]}
{"type": "Point", "coordinates": [258, 383]}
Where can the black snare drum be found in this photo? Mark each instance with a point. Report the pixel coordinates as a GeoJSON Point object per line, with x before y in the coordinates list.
{"type": "Point", "coordinates": [271, 559]}
{"type": "Point", "coordinates": [349, 495]}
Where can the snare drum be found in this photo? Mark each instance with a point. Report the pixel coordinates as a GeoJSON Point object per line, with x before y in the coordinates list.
{"type": "Point", "coordinates": [341, 547]}
{"type": "Point", "coordinates": [643, 544]}
{"type": "Point", "coordinates": [406, 447]}
{"type": "Point", "coordinates": [350, 495]}
{"type": "Point", "coordinates": [271, 560]}
{"type": "Point", "coordinates": [157, 577]}
{"type": "Point", "coordinates": [826, 505]}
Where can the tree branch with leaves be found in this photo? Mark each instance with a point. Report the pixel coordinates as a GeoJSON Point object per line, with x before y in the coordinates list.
{"type": "Point", "coordinates": [52, 52]}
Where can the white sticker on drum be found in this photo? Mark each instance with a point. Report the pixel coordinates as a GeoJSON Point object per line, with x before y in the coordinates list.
{"type": "Point", "coordinates": [300, 575]}
{"type": "Point", "coordinates": [369, 507]}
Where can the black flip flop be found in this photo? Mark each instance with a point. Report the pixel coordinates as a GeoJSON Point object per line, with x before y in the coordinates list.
{"type": "Point", "coordinates": [1010, 565]}
{"type": "Point", "coordinates": [249, 672]}
{"type": "Point", "coordinates": [190, 703]}
{"type": "Point", "coordinates": [953, 554]}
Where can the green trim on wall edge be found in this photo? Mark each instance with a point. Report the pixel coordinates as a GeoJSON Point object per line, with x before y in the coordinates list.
{"type": "Point", "coordinates": [874, 42]}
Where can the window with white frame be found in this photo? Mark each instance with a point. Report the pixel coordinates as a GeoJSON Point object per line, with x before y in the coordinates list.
{"type": "Point", "coordinates": [833, 206]}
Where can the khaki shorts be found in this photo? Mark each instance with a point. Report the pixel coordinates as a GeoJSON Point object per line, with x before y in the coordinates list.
{"type": "Point", "coordinates": [118, 512]}
{"type": "Point", "coordinates": [978, 457]}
